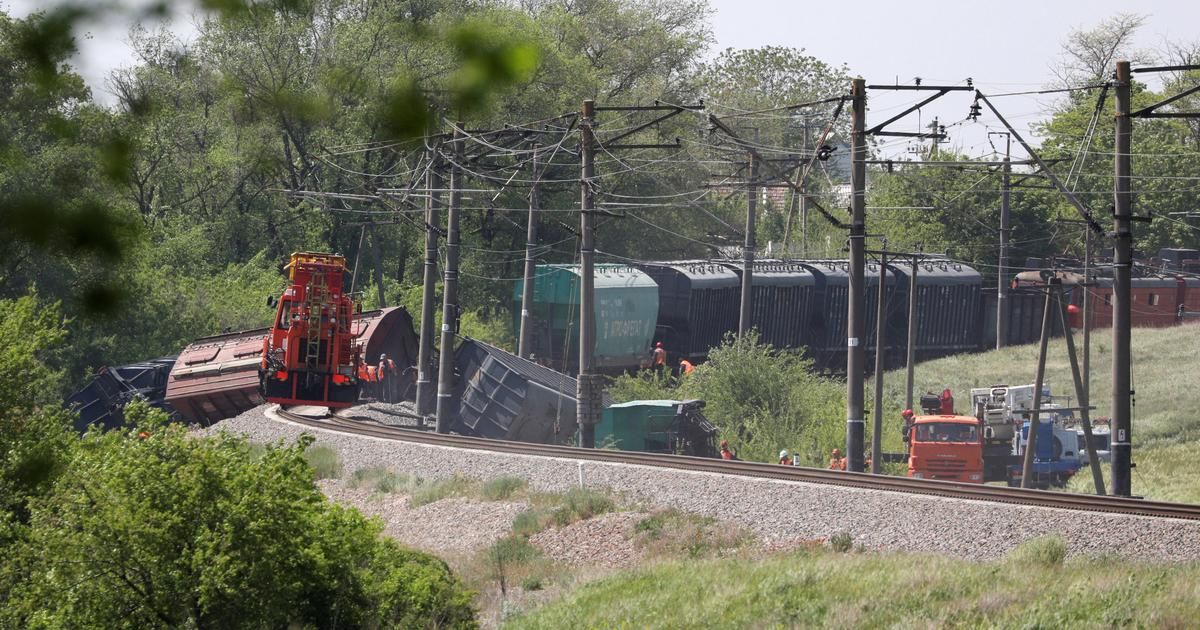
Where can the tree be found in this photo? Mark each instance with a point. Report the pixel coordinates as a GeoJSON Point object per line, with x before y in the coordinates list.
{"type": "Point", "coordinates": [1089, 56]}
{"type": "Point", "coordinates": [152, 528]}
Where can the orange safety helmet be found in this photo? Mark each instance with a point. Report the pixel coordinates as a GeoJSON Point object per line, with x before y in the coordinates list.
{"type": "Point", "coordinates": [907, 413]}
{"type": "Point", "coordinates": [658, 344]}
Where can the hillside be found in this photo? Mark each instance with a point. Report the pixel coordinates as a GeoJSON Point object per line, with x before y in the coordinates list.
{"type": "Point", "coordinates": [1166, 422]}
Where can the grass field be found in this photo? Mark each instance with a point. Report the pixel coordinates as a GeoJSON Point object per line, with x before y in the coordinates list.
{"type": "Point", "coordinates": [1166, 412]}
{"type": "Point", "coordinates": [821, 588]}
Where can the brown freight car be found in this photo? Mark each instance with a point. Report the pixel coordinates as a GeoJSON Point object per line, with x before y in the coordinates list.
{"type": "Point", "coordinates": [217, 377]}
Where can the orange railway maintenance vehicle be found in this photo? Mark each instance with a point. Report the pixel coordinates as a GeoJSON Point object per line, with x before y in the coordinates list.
{"type": "Point", "coordinates": [310, 355]}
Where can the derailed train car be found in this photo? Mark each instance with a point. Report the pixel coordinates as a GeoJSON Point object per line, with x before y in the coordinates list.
{"type": "Point", "coordinates": [102, 401]}
{"type": "Point", "coordinates": [504, 397]}
{"type": "Point", "coordinates": [217, 377]}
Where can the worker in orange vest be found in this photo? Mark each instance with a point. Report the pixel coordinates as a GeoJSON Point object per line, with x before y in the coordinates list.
{"type": "Point", "coordinates": [685, 367]}
{"type": "Point", "coordinates": [785, 458]}
{"type": "Point", "coordinates": [907, 415]}
{"type": "Point", "coordinates": [836, 461]}
{"type": "Point", "coordinates": [658, 358]}
{"type": "Point", "coordinates": [388, 378]}
{"type": "Point", "coordinates": [725, 452]}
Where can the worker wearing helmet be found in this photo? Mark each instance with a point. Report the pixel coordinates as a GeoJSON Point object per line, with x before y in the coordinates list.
{"type": "Point", "coordinates": [784, 458]}
{"type": "Point", "coordinates": [836, 461]}
{"type": "Point", "coordinates": [659, 358]}
{"type": "Point", "coordinates": [388, 378]}
{"type": "Point", "coordinates": [907, 415]}
{"type": "Point", "coordinates": [685, 367]}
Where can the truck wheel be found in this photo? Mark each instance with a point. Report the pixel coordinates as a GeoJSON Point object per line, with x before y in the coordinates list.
{"type": "Point", "coordinates": [1058, 448]}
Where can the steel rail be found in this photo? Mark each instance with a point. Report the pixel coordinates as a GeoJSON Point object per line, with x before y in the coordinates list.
{"type": "Point", "coordinates": [947, 489]}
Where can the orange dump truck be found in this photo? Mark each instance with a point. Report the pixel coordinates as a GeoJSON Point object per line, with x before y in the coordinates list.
{"type": "Point", "coordinates": [945, 447]}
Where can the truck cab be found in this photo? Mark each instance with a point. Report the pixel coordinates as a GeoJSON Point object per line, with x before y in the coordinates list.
{"type": "Point", "coordinates": [946, 447]}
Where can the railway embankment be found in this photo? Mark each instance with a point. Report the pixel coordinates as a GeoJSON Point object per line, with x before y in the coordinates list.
{"type": "Point", "coordinates": [778, 512]}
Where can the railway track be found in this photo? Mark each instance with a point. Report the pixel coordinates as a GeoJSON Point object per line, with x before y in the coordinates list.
{"type": "Point", "coordinates": [997, 494]}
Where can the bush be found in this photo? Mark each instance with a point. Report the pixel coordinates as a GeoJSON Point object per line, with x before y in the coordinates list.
{"type": "Point", "coordinates": [324, 461]}
{"type": "Point", "coordinates": [440, 489]}
{"type": "Point", "coordinates": [1046, 551]}
{"type": "Point", "coordinates": [580, 504]}
{"type": "Point", "coordinates": [379, 479]}
{"type": "Point", "coordinates": [202, 532]}
{"type": "Point", "coordinates": [841, 542]}
{"type": "Point", "coordinates": [502, 488]}
{"type": "Point", "coordinates": [761, 398]}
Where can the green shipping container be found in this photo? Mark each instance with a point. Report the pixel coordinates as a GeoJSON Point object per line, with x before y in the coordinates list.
{"type": "Point", "coordinates": [639, 425]}
{"type": "Point", "coordinates": [626, 314]}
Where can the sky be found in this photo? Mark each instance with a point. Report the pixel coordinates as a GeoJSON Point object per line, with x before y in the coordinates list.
{"type": "Point", "coordinates": [1004, 48]}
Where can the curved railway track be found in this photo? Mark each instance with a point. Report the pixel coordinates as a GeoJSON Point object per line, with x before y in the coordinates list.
{"type": "Point", "coordinates": [995, 494]}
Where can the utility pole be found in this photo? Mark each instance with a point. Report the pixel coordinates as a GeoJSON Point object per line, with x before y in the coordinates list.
{"type": "Point", "coordinates": [746, 315]}
{"type": "Point", "coordinates": [1005, 230]}
{"type": "Point", "coordinates": [1038, 380]}
{"type": "Point", "coordinates": [911, 361]}
{"type": "Point", "coordinates": [586, 399]}
{"type": "Point", "coordinates": [1081, 394]}
{"type": "Point", "coordinates": [425, 389]}
{"type": "Point", "coordinates": [450, 308]}
{"type": "Point", "coordinates": [1087, 316]}
{"type": "Point", "coordinates": [531, 230]}
{"type": "Point", "coordinates": [877, 429]}
{"type": "Point", "coordinates": [1122, 264]}
{"type": "Point", "coordinates": [857, 304]}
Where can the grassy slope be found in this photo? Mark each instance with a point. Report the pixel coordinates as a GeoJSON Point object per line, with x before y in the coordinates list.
{"type": "Point", "coordinates": [1166, 416]}
{"type": "Point", "coordinates": [826, 589]}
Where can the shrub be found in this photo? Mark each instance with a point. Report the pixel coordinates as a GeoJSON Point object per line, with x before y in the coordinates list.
{"type": "Point", "coordinates": [841, 542]}
{"type": "Point", "coordinates": [379, 479]}
{"type": "Point", "coordinates": [1046, 551]}
{"type": "Point", "coordinates": [324, 461]}
{"type": "Point", "coordinates": [502, 488]}
{"type": "Point", "coordinates": [527, 523]}
{"type": "Point", "coordinates": [216, 536]}
{"type": "Point", "coordinates": [440, 489]}
{"type": "Point", "coordinates": [580, 504]}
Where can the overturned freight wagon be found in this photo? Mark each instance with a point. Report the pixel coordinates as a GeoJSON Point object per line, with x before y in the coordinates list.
{"type": "Point", "coordinates": [675, 427]}
{"type": "Point", "coordinates": [217, 377]}
{"type": "Point", "coordinates": [102, 401]}
{"type": "Point", "coordinates": [504, 397]}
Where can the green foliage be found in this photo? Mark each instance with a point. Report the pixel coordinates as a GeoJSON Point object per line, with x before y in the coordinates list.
{"type": "Point", "coordinates": [579, 504]}
{"type": "Point", "coordinates": [502, 488]}
{"type": "Point", "coordinates": [324, 461]}
{"type": "Point", "coordinates": [672, 533]}
{"type": "Point", "coordinates": [379, 479]}
{"type": "Point", "coordinates": [841, 542]}
{"type": "Point", "coordinates": [559, 510]}
{"type": "Point", "coordinates": [171, 531]}
{"type": "Point", "coordinates": [761, 398]}
{"type": "Point", "coordinates": [432, 491]}
{"type": "Point", "coordinates": [1045, 551]}
{"type": "Point", "coordinates": [35, 439]}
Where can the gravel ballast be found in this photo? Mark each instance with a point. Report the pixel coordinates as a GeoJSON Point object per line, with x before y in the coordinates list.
{"type": "Point", "coordinates": [781, 513]}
